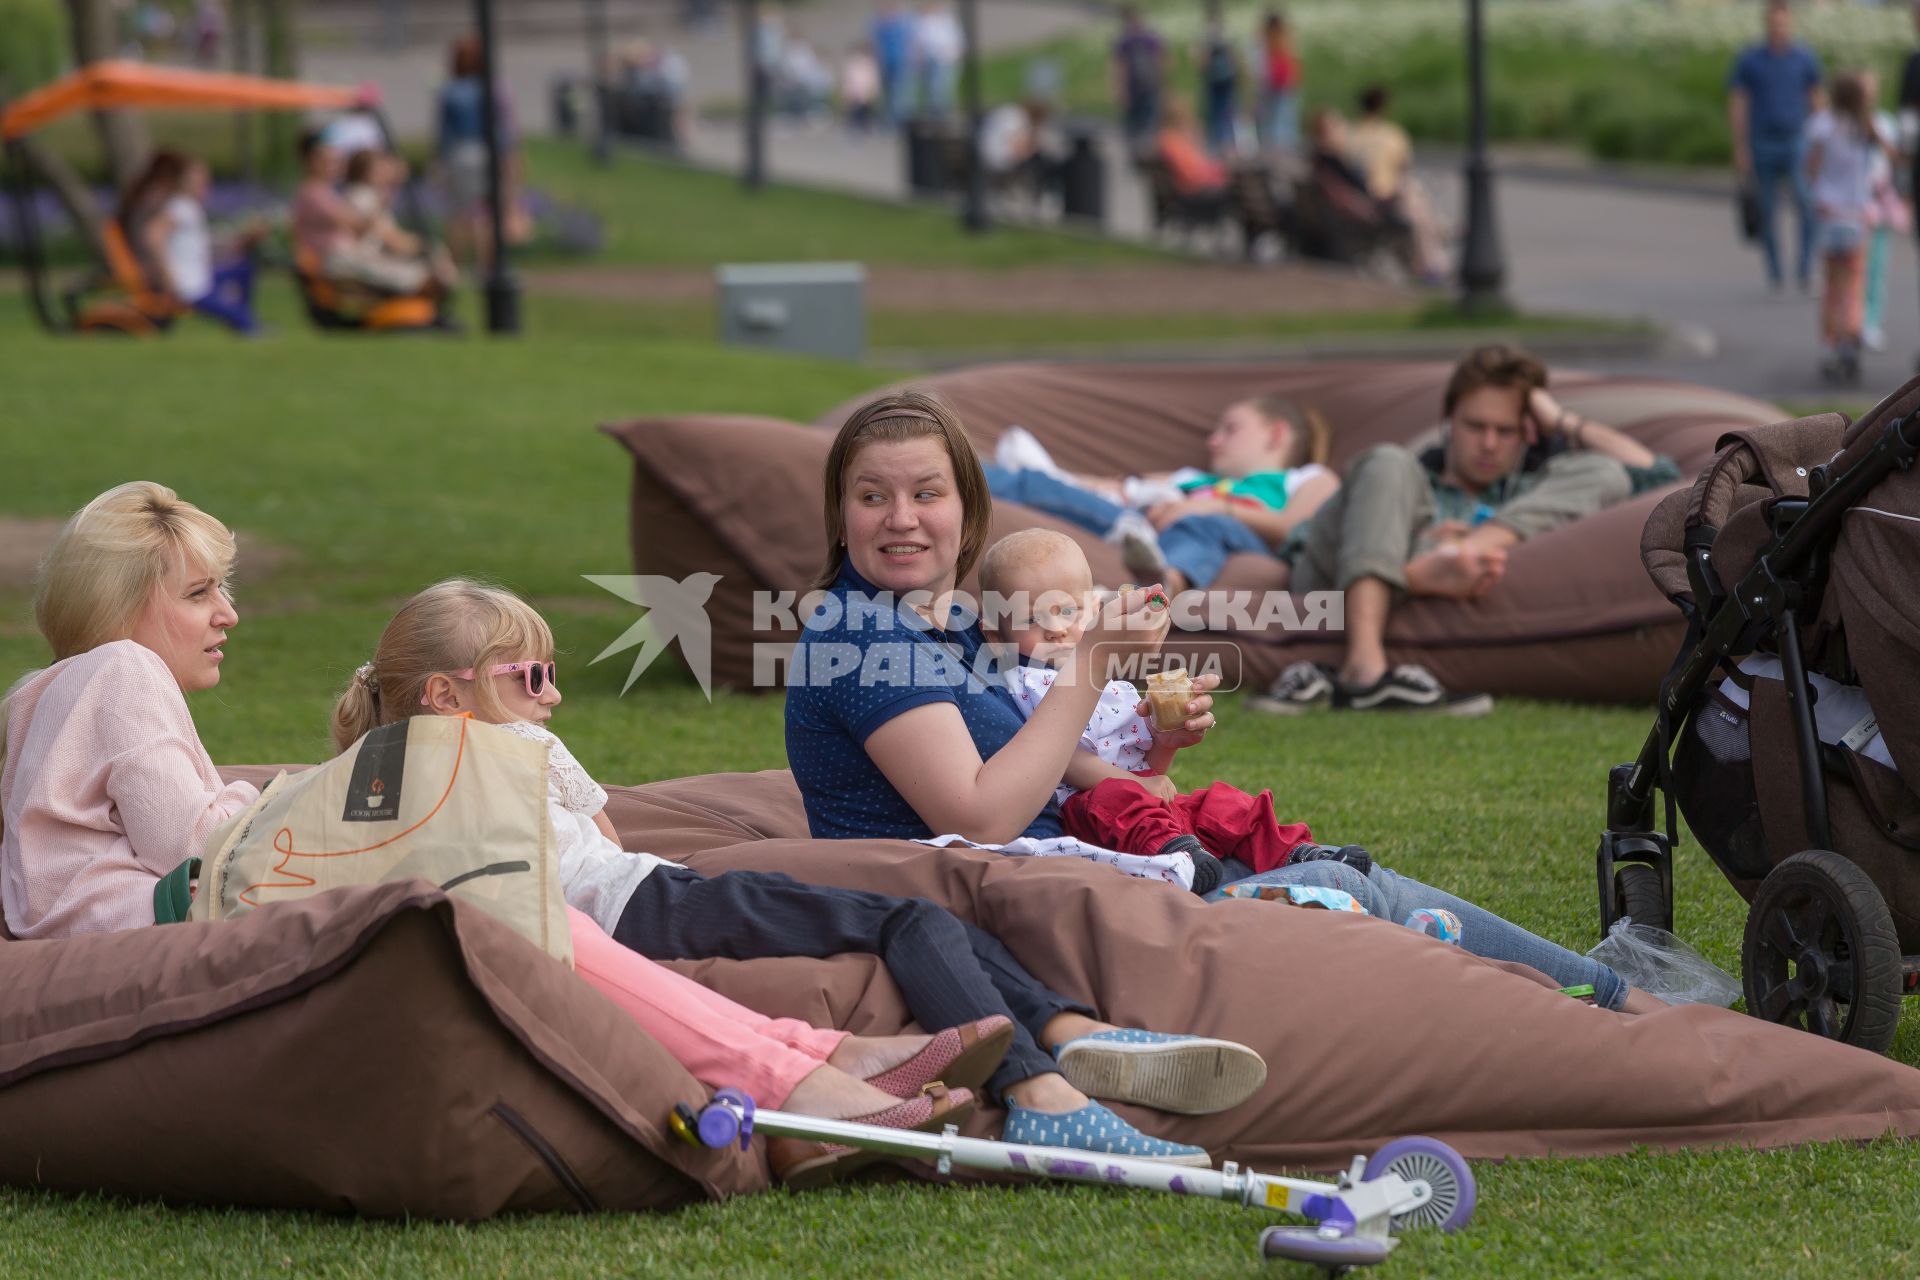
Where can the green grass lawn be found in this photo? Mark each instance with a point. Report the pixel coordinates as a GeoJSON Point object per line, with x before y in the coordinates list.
{"type": "Point", "coordinates": [378, 466]}
{"type": "Point", "coordinates": [659, 213]}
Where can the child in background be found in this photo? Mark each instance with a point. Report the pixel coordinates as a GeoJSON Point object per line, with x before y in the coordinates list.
{"type": "Point", "coordinates": [1842, 142]}
{"type": "Point", "coordinates": [1888, 213]}
{"type": "Point", "coordinates": [1265, 476]}
{"type": "Point", "coordinates": [373, 179]}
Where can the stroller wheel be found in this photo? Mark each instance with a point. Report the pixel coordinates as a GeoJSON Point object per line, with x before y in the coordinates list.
{"type": "Point", "coordinates": [1821, 953]}
{"type": "Point", "coordinates": [1636, 887]}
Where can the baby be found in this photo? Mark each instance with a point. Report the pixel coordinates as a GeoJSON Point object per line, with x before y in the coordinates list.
{"type": "Point", "coordinates": [1117, 794]}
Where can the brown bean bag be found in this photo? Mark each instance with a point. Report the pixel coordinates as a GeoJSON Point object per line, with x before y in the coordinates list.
{"type": "Point", "coordinates": [1370, 1030]}
{"type": "Point", "coordinates": [1575, 617]}
{"type": "Point", "coordinates": [379, 1050]}
{"type": "Point", "coordinates": [388, 1051]}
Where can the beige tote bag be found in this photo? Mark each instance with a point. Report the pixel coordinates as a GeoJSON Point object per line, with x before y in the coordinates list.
{"type": "Point", "coordinates": [445, 799]}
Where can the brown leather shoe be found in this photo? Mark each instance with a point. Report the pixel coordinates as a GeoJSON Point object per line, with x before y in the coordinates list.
{"type": "Point", "coordinates": [961, 1057]}
{"type": "Point", "coordinates": [803, 1164]}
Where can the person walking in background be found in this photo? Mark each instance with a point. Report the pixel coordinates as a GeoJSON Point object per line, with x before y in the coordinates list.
{"type": "Point", "coordinates": [891, 35]}
{"type": "Point", "coordinates": [1770, 94]}
{"type": "Point", "coordinates": [1279, 72]}
{"type": "Point", "coordinates": [1887, 213]}
{"type": "Point", "coordinates": [1139, 75]}
{"type": "Point", "coordinates": [1842, 142]}
{"type": "Point", "coordinates": [1219, 66]}
{"type": "Point", "coordinates": [460, 153]}
{"type": "Point", "coordinates": [209, 30]}
{"type": "Point", "coordinates": [860, 87]}
{"type": "Point", "coordinates": [938, 46]}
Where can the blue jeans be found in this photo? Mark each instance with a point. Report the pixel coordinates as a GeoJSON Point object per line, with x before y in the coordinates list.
{"type": "Point", "coordinates": [1141, 116]}
{"type": "Point", "coordinates": [1876, 304]}
{"type": "Point", "coordinates": [1199, 545]}
{"type": "Point", "coordinates": [1280, 121]}
{"type": "Point", "coordinates": [1054, 496]}
{"type": "Point", "coordinates": [1394, 897]}
{"type": "Point", "coordinates": [230, 299]}
{"type": "Point", "coordinates": [936, 87]}
{"type": "Point", "coordinates": [1775, 159]}
{"type": "Point", "coordinates": [1218, 114]}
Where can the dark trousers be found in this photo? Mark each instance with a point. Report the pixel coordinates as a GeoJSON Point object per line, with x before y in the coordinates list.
{"type": "Point", "coordinates": [949, 971]}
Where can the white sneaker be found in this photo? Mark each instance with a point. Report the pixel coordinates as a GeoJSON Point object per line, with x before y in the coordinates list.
{"type": "Point", "coordinates": [1143, 493]}
{"type": "Point", "coordinates": [1018, 450]}
{"type": "Point", "coordinates": [1133, 524]}
{"type": "Point", "coordinates": [1141, 553]}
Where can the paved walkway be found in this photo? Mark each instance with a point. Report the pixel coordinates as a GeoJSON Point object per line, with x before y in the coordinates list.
{"type": "Point", "coordinates": [1629, 249]}
{"type": "Point", "coordinates": [1571, 246]}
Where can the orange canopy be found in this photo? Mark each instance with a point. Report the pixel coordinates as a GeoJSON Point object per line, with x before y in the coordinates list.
{"type": "Point", "coordinates": [104, 86]}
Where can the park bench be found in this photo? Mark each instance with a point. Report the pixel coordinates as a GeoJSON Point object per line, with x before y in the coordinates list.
{"type": "Point", "coordinates": [1171, 210]}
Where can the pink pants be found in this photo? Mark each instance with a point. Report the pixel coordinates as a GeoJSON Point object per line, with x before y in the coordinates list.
{"type": "Point", "coordinates": [721, 1043]}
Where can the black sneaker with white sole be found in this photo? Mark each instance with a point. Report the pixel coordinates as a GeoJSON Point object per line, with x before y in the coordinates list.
{"type": "Point", "coordinates": [1410, 687]}
{"type": "Point", "coordinates": [1301, 687]}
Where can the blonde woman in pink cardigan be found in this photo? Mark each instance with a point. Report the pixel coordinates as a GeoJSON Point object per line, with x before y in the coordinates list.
{"type": "Point", "coordinates": [105, 788]}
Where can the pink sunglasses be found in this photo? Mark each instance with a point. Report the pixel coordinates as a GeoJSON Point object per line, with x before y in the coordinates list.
{"type": "Point", "coordinates": [537, 676]}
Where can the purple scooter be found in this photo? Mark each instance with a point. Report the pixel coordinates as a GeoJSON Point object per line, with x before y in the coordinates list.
{"type": "Point", "coordinates": [1410, 1182]}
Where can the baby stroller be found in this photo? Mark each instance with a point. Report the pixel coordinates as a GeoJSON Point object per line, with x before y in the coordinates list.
{"type": "Point", "coordinates": [1788, 729]}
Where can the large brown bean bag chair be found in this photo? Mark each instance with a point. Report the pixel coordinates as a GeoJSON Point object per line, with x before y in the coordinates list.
{"type": "Point", "coordinates": [387, 1051]}
{"type": "Point", "coordinates": [1575, 617]}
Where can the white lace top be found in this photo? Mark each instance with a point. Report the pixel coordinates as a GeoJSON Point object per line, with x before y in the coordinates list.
{"type": "Point", "coordinates": [596, 875]}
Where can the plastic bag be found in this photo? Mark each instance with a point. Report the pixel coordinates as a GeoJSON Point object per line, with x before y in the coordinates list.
{"type": "Point", "coordinates": [1661, 964]}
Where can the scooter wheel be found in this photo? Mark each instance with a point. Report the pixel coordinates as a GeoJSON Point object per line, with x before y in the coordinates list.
{"type": "Point", "coordinates": [1441, 1168]}
{"type": "Point", "coordinates": [1335, 1253]}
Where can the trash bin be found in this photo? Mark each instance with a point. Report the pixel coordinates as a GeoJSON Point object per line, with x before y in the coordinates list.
{"type": "Point", "coordinates": [1084, 185]}
{"type": "Point", "coordinates": [926, 143]}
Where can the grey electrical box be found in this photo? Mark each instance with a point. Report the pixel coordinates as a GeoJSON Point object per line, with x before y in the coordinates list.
{"type": "Point", "coordinates": [808, 308]}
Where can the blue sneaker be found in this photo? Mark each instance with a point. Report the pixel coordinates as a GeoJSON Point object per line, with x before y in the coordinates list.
{"type": "Point", "coordinates": [1095, 1129]}
{"type": "Point", "coordinates": [1189, 1075]}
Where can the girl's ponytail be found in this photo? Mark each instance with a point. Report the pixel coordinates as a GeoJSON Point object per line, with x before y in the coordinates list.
{"type": "Point", "coordinates": [358, 710]}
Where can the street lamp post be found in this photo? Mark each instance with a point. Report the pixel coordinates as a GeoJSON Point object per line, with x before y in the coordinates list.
{"type": "Point", "coordinates": [502, 290]}
{"type": "Point", "coordinates": [1482, 269]}
{"type": "Point", "coordinates": [597, 79]}
{"type": "Point", "coordinates": [974, 212]}
{"type": "Point", "coordinates": [754, 176]}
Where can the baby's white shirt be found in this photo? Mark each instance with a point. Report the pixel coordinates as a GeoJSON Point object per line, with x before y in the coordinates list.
{"type": "Point", "coordinates": [1117, 733]}
{"type": "Point", "coordinates": [597, 876]}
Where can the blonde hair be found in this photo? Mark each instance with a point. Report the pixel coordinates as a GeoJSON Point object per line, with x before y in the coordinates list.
{"type": "Point", "coordinates": [447, 628]}
{"type": "Point", "coordinates": [107, 560]}
{"type": "Point", "coordinates": [1019, 550]}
